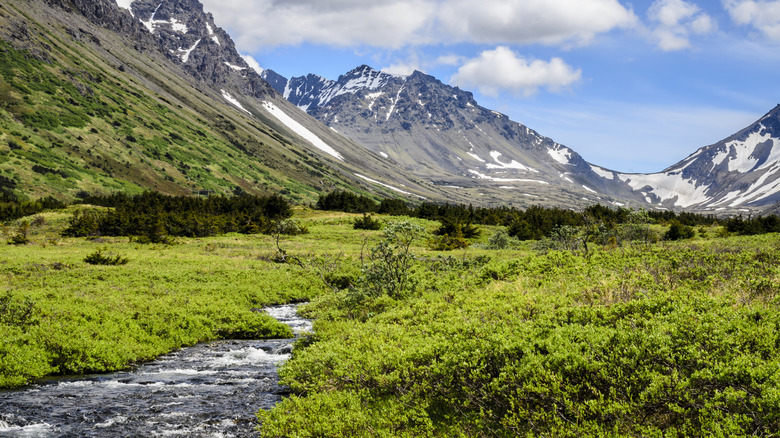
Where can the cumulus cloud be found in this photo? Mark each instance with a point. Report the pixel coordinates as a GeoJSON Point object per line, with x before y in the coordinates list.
{"type": "Point", "coordinates": [762, 15]}
{"type": "Point", "coordinates": [501, 69]}
{"type": "Point", "coordinates": [420, 61]}
{"type": "Point", "coordinates": [532, 21]}
{"type": "Point", "coordinates": [675, 21]}
{"type": "Point", "coordinates": [252, 62]}
{"type": "Point", "coordinates": [271, 23]}
{"type": "Point", "coordinates": [399, 23]}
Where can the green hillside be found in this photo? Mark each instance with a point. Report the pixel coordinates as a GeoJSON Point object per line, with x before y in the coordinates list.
{"type": "Point", "coordinates": [100, 116]}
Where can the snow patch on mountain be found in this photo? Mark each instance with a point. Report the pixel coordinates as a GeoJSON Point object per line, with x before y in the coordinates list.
{"type": "Point", "coordinates": [386, 185]}
{"type": "Point", "coordinates": [394, 102]}
{"type": "Point", "coordinates": [602, 172]}
{"type": "Point", "coordinates": [757, 191]}
{"type": "Point", "coordinates": [235, 67]}
{"type": "Point", "coordinates": [479, 175]}
{"type": "Point", "coordinates": [561, 155]}
{"type": "Point", "coordinates": [151, 22]}
{"type": "Point", "coordinates": [373, 97]}
{"type": "Point", "coordinates": [740, 154]}
{"type": "Point", "coordinates": [668, 186]}
{"type": "Point", "coordinates": [178, 26]}
{"type": "Point", "coordinates": [125, 4]}
{"type": "Point", "coordinates": [234, 101]}
{"type": "Point", "coordinates": [301, 130]}
{"type": "Point", "coordinates": [476, 157]}
{"type": "Point", "coordinates": [212, 35]}
{"type": "Point", "coordinates": [511, 165]}
{"type": "Point", "coordinates": [185, 56]}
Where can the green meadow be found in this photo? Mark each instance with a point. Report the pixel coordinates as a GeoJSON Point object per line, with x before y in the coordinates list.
{"type": "Point", "coordinates": [661, 338]}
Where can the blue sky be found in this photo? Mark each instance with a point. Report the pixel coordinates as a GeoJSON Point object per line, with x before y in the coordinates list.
{"type": "Point", "coordinates": [631, 86]}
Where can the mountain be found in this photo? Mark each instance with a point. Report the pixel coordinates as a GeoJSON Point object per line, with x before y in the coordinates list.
{"type": "Point", "coordinates": [103, 95]}
{"type": "Point", "coordinates": [740, 172]}
{"type": "Point", "coordinates": [100, 95]}
{"type": "Point", "coordinates": [440, 134]}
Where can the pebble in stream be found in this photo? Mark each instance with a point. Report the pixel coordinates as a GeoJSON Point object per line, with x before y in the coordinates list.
{"type": "Point", "coordinates": [208, 390]}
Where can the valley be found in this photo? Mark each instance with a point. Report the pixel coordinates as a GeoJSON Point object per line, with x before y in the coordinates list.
{"type": "Point", "coordinates": [466, 275]}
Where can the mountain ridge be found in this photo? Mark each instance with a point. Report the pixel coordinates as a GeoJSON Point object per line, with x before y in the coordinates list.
{"type": "Point", "coordinates": [696, 182]}
{"type": "Point", "coordinates": [410, 136]}
{"type": "Point", "coordinates": [440, 133]}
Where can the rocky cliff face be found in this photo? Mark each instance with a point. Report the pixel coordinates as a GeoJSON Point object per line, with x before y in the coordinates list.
{"type": "Point", "coordinates": [190, 38]}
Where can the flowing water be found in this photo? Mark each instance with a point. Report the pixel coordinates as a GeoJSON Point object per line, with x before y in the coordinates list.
{"type": "Point", "coordinates": [208, 390]}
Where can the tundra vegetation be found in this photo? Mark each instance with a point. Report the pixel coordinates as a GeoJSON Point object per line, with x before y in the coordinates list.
{"type": "Point", "coordinates": [607, 324]}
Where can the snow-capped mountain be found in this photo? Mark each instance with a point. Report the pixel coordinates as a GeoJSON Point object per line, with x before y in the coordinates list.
{"type": "Point", "coordinates": [408, 135]}
{"type": "Point", "coordinates": [442, 135]}
{"type": "Point", "coordinates": [741, 171]}
{"type": "Point", "coordinates": [207, 119]}
{"type": "Point", "coordinates": [190, 38]}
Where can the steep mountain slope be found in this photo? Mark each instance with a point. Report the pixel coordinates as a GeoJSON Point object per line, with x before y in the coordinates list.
{"type": "Point", "coordinates": [91, 100]}
{"type": "Point", "coordinates": [441, 135]}
{"type": "Point", "coordinates": [739, 173]}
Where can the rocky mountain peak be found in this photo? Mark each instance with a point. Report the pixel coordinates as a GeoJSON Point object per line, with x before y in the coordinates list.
{"type": "Point", "coordinates": [189, 37]}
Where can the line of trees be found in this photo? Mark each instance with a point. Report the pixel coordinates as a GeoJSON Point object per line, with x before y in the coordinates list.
{"type": "Point", "coordinates": [533, 223]}
{"type": "Point", "coordinates": [155, 216]}
{"type": "Point", "coordinates": [11, 207]}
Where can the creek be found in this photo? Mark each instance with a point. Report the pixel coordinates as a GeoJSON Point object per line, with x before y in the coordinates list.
{"type": "Point", "coordinates": [208, 390]}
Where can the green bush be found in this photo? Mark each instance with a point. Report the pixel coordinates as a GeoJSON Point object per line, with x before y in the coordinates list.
{"type": "Point", "coordinates": [97, 258]}
{"type": "Point", "coordinates": [447, 242]}
{"type": "Point", "coordinates": [389, 270]}
{"type": "Point", "coordinates": [367, 223]}
{"type": "Point", "coordinates": [20, 238]}
{"type": "Point", "coordinates": [679, 231]}
{"type": "Point", "coordinates": [645, 341]}
{"type": "Point", "coordinates": [499, 240]}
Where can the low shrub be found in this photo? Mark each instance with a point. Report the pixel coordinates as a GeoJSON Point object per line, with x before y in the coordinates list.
{"type": "Point", "coordinates": [367, 223]}
{"type": "Point", "coordinates": [97, 258]}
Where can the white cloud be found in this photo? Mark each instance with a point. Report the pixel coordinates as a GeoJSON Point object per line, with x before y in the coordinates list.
{"type": "Point", "coordinates": [401, 23]}
{"type": "Point", "coordinates": [401, 68]}
{"type": "Point", "coordinates": [501, 69]}
{"type": "Point", "coordinates": [416, 60]}
{"type": "Point", "coordinates": [675, 21]}
{"type": "Point", "coordinates": [252, 62]}
{"type": "Point", "coordinates": [450, 59]}
{"type": "Point", "coordinates": [341, 23]}
{"type": "Point", "coordinates": [532, 21]}
{"type": "Point", "coordinates": [762, 15]}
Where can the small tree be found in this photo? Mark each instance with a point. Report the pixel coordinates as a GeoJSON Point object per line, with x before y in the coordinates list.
{"type": "Point", "coordinates": [637, 228]}
{"type": "Point", "coordinates": [679, 231]}
{"type": "Point", "coordinates": [21, 234]}
{"type": "Point", "coordinates": [367, 223]}
{"type": "Point", "coordinates": [499, 240]}
{"type": "Point", "coordinates": [391, 261]}
{"type": "Point", "coordinates": [281, 227]}
{"type": "Point", "coordinates": [563, 238]}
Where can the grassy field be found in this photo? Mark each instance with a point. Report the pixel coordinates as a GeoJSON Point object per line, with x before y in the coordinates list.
{"type": "Point", "coordinates": [59, 314]}
{"type": "Point", "coordinates": [668, 339]}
